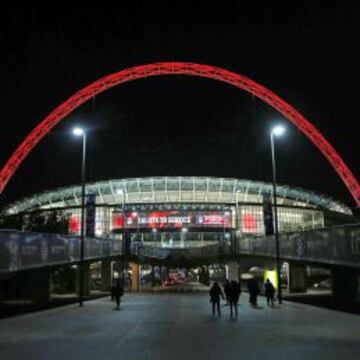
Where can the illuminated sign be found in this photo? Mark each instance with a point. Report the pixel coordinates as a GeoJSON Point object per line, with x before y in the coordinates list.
{"type": "Point", "coordinates": [117, 220]}
{"type": "Point", "coordinates": [172, 219]}
{"type": "Point", "coordinates": [213, 219]}
{"type": "Point", "coordinates": [250, 223]}
{"type": "Point", "coordinates": [74, 225]}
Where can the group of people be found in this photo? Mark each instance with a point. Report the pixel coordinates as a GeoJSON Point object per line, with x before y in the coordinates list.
{"type": "Point", "coordinates": [254, 290]}
{"type": "Point", "coordinates": [232, 292]}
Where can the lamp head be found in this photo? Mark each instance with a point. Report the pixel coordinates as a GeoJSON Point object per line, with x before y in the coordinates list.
{"type": "Point", "coordinates": [278, 130]}
{"type": "Point", "coordinates": [78, 131]}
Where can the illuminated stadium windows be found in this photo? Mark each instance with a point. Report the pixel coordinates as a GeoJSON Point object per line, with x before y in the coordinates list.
{"type": "Point", "coordinates": [298, 209]}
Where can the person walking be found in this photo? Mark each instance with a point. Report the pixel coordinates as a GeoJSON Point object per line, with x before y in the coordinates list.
{"type": "Point", "coordinates": [227, 290]}
{"type": "Point", "coordinates": [215, 293]}
{"type": "Point", "coordinates": [117, 293]}
{"type": "Point", "coordinates": [234, 295]}
{"type": "Point", "coordinates": [253, 288]}
{"type": "Point", "coordinates": [130, 280]}
{"type": "Point", "coordinates": [269, 292]}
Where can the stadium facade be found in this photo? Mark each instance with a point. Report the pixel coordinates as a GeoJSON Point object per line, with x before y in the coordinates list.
{"type": "Point", "coordinates": [186, 211]}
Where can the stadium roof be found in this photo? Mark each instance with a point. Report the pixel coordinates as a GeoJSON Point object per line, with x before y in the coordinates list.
{"type": "Point", "coordinates": [176, 189]}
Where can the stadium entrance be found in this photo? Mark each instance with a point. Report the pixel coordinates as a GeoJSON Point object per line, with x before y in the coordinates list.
{"type": "Point", "coordinates": [175, 228]}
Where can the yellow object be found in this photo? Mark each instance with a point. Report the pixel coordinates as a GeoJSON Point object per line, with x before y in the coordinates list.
{"type": "Point", "coordinates": [272, 276]}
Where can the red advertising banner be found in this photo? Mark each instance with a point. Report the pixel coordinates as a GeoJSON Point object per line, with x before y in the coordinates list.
{"type": "Point", "coordinates": [74, 225]}
{"type": "Point", "coordinates": [173, 219]}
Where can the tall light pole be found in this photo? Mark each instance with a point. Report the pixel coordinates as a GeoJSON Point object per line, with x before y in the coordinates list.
{"type": "Point", "coordinates": [276, 131]}
{"type": "Point", "coordinates": [80, 132]}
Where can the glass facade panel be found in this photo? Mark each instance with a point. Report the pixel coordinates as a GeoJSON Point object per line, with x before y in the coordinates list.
{"type": "Point", "coordinates": [292, 219]}
{"type": "Point", "coordinates": [250, 221]}
{"type": "Point", "coordinates": [160, 196]}
{"type": "Point", "coordinates": [186, 195]}
{"type": "Point", "coordinates": [173, 195]}
{"type": "Point", "coordinates": [147, 196]}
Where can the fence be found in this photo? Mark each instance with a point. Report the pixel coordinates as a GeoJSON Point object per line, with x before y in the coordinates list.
{"type": "Point", "coordinates": [24, 250]}
{"type": "Point", "coordinates": [337, 245]}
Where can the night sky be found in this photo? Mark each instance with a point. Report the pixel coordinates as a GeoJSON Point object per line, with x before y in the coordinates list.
{"type": "Point", "coordinates": [306, 52]}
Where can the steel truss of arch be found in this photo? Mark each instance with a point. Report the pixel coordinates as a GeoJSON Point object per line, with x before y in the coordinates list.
{"type": "Point", "coordinates": [180, 68]}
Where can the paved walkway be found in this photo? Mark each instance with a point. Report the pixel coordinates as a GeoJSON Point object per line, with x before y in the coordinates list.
{"type": "Point", "coordinates": [179, 326]}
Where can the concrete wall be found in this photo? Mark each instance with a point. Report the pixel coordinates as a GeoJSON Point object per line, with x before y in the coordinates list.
{"type": "Point", "coordinates": [345, 283]}
{"type": "Point", "coordinates": [297, 278]}
{"type": "Point", "coordinates": [34, 285]}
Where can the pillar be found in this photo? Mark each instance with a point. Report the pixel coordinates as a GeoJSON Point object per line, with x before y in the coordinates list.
{"type": "Point", "coordinates": [345, 284]}
{"type": "Point", "coordinates": [182, 239]}
{"type": "Point", "coordinates": [297, 278]}
{"type": "Point", "coordinates": [86, 281]}
{"type": "Point", "coordinates": [135, 269]}
{"type": "Point", "coordinates": [233, 271]}
{"type": "Point", "coordinates": [40, 281]}
{"type": "Point", "coordinates": [105, 275]}
{"type": "Point", "coordinates": [152, 276]}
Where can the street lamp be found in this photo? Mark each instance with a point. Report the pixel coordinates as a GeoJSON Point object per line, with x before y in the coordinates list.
{"type": "Point", "coordinates": [276, 131]}
{"type": "Point", "coordinates": [80, 132]}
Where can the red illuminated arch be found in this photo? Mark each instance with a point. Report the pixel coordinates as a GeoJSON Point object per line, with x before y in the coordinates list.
{"type": "Point", "coordinates": [180, 68]}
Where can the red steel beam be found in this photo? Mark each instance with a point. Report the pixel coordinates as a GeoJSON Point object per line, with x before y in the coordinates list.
{"type": "Point", "coordinates": [180, 68]}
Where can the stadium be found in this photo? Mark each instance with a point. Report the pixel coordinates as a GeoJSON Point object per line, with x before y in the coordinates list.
{"type": "Point", "coordinates": [186, 211]}
{"type": "Point", "coordinates": [182, 215]}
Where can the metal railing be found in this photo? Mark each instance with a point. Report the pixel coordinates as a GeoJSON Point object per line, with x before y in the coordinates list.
{"type": "Point", "coordinates": [25, 250]}
{"type": "Point", "coordinates": [337, 245]}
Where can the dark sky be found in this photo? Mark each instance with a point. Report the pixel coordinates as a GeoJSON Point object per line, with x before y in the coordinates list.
{"type": "Point", "coordinates": [307, 52]}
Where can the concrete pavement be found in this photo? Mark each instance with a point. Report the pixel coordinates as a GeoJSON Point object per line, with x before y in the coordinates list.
{"type": "Point", "coordinates": [180, 326]}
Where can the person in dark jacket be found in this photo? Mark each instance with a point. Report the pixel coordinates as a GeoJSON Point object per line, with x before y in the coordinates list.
{"type": "Point", "coordinates": [234, 295]}
{"type": "Point", "coordinates": [215, 293]}
{"type": "Point", "coordinates": [253, 288]}
{"type": "Point", "coordinates": [227, 290]}
{"type": "Point", "coordinates": [269, 292]}
{"type": "Point", "coordinates": [117, 293]}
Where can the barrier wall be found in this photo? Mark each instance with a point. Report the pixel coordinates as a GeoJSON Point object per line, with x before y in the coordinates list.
{"type": "Point", "coordinates": [337, 245]}
{"type": "Point", "coordinates": [26, 250]}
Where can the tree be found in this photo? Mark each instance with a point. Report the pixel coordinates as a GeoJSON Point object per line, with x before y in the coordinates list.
{"type": "Point", "coordinates": [13, 222]}
{"type": "Point", "coordinates": [56, 222]}
{"type": "Point", "coordinates": [35, 222]}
